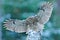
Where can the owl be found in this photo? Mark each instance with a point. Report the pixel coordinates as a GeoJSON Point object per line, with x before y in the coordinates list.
{"type": "Point", "coordinates": [35, 23]}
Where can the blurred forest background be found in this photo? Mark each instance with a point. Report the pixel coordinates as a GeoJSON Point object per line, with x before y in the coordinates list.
{"type": "Point", "coordinates": [21, 9]}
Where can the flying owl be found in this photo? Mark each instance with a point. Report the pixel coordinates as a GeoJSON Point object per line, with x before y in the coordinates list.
{"type": "Point", "coordinates": [35, 22]}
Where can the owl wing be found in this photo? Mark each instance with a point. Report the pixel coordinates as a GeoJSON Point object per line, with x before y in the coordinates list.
{"type": "Point", "coordinates": [45, 13]}
{"type": "Point", "coordinates": [15, 25]}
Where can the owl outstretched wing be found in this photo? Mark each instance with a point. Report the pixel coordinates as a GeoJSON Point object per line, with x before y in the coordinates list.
{"type": "Point", "coordinates": [45, 13]}
{"type": "Point", "coordinates": [34, 22]}
{"type": "Point", "coordinates": [15, 25]}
